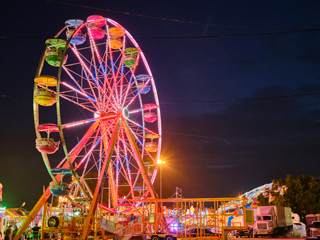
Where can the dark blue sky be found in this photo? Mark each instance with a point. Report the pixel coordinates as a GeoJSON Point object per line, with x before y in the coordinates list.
{"type": "Point", "coordinates": [237, 111]}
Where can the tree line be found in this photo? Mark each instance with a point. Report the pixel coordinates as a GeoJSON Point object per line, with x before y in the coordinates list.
{"type": "Point", "coordinates": [301, 194]}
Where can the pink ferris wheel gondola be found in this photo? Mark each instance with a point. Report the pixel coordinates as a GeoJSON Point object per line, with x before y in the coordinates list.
{"type": "Point", "coordinates": [107, 109]}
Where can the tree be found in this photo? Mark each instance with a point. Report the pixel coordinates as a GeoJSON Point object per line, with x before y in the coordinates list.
{"type": "Point", "coordinates": [302, 194]}
{"type": "Point", "coordinates": [263, 201]}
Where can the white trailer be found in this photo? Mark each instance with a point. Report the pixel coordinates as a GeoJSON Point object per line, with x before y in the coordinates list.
{"type": "Point", "coordinates": [273, 221]}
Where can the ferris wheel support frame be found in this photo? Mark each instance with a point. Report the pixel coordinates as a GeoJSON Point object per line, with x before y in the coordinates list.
{"type": "Point", "coordinates": [45, 196]}
{"type": "Point", "coordinates": [101, 179]}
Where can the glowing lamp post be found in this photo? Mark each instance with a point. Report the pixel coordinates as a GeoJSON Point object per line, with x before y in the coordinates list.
{"type": "Point", "coordinates": [160, 163]}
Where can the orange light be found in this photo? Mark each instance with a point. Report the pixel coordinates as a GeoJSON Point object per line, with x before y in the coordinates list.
{"type": "Point", "coordinates": [160, 162]}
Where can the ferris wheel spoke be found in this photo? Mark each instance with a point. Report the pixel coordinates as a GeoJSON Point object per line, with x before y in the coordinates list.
{"type": "Point", "coordinates": [147, 130]}
{"type": "Point", "coordinates": [122, 71]}
{"type": "Point", "coordinates": [138, 157]}
{"type": "Point", "coordinates": [89, 62]}
{"type": "Point", "coordinates": [77, 123]}
{"type": "Point", "coordinates": [130, 84]}
{"type": "Point", "coordinates": [91, 156]}
{"type": "Point", "coordinates": [127, 161]}
{"type": "Point", "coordinates": [87, 71]}
{"type": "Point", "coordinates": [73, 154]}
{"type": "Point", "coordinates": [121, 170]}
{"type": "Point", "coordinates": [82, 92]}
{"type": "Point", "coordinates": [104, 132]}
{"type": "Point", "coordinates": [139, 141]}
{"type": "Point", "coordinates": [108, 53]}
{"type": "Point", "coordinates": [94, 51]}
{"type": "Point", "coordinates": [112, 185]}
{"type": "Point", "coordinates": [86, 160]}
{"type": "Point", "coordinates": [127, 105]}
{"type": "Point", "coordinates": [131, 158]}
{"type": "Point", "coordinates": [73, 124]}
{"type": "Point", "coordinates": [68, 99]}
{"type": "Point", "coordinates": [91, 99]}
{"type": "Point", "coordinates": [117, 169]}
{"type": "Point", "coordinates": [126, 92]}
{"type": "Point", "coordinates": [113, 72]}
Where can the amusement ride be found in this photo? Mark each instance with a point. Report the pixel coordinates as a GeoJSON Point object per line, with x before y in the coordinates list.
{"type": "Point", "coordinates": [95, 79]}
{"type": "Point", "coordinates": [102, 76]}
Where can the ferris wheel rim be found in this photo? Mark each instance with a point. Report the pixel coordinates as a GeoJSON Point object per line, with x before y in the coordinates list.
{"type": "Point", "coordinates": [60, 125]}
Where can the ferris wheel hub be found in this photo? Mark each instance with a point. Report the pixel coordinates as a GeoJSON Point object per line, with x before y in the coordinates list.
{"type": "Point", "coordinates": [125, 113]}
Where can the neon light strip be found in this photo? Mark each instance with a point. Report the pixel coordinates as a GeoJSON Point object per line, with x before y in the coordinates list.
{"type": "Point", "coordinates": [128, 165]}
{"type": "Point", "coordinates": [123, 169]}
{"type": "Point", "coordinates": [103, 68]}
{"type": "Point", "coordinates": [77, 123]}
{"type": "Point", "coordinates": [147, 129]}
{"type": "Point", "coordinates": [141, 109]}
{"type": "Point", "coordinates": [117, 172]}
{"type": "Point", "coordinates": [88, 153]}
{"type": "Point", "coordinates": [88, 120]}
{"type": "Point", "coordinates": [93, 45]}
{"type": "Point", "coordinates": [87, 161]}
{"type": "Point", "coordinates": [132, 82]}
{"type": "Point", "coordinates": [79, 146]}
{"type": "Point", "coordinates": [93, 49]}
{"type": "Point", "coordinates": [112, 64]}
{"type": "Point", "coordinates": [149, 154]}
{"type": "Point", "coordinates": [85, 67]}
{"type": "Point", "coordinates": [93, 146]}
{"type": "Point", "coordinates": [81, 93]}
{"type": "Point", "coordinates": [106, 79]}
{"type": "Point", "coordinates": [100, 160]}
{"type": "Point", "coordinates": [122, 69]}
{"type": "Point", "coordinates": [140, 140]}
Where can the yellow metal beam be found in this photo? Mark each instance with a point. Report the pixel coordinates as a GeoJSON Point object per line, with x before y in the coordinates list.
{"type": "Point", "coordinates": [105, 166]}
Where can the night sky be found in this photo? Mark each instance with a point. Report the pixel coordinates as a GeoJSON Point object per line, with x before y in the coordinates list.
{"type": "Point", "coordinates": [239, 102]}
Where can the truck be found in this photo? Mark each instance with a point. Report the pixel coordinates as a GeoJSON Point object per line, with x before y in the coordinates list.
{"type": "Point", "coordinates": [273, 221]}
{"type": "Point", "coordinates": [313, 226]}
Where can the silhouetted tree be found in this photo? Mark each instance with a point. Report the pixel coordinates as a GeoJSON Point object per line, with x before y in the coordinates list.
{"type": "Point", "coordinates": [302, 194]}
{"type": "Point", "coordinates": [263, 201]}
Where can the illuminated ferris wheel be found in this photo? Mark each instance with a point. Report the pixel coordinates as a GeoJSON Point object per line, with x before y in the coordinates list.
{"type": "Point", "coordinates": [102, 88]}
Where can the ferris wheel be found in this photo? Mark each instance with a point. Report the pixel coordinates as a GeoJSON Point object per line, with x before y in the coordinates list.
{"type": "Point", "coordinates": [108, 121]}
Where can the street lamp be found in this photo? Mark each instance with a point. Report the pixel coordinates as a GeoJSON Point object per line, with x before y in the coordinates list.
{"type": "Point", "coordinates": [160, 163]}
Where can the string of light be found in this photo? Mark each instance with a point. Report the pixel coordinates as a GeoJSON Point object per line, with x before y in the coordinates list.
{"type": "Point", "coordinates": [169, 19]}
